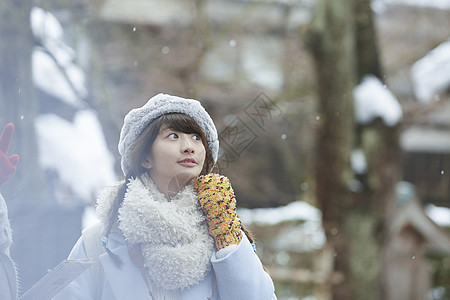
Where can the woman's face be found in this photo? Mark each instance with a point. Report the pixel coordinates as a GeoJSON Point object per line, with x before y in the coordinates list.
{"type": "Point", "coordinates": [176, 159]}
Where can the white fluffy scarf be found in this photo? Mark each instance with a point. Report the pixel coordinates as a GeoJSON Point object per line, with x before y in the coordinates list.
{"type": "Point", "coordinates": [173, 234]}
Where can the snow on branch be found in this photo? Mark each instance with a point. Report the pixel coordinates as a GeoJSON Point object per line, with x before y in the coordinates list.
{"type": "Point", "coordinates": [374, 100]}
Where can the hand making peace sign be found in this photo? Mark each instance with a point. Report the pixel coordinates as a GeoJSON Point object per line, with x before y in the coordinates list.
{"type": "Point", "coordinates": [7, 164]}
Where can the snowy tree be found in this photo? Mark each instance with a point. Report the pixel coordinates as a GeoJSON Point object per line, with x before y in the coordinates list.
{"type": "Point", "coordinates": [354, 209]}
{"type": "Point", "coordinates": [17, 98]}
{"type": "Point", "coordinates": [64, 160]}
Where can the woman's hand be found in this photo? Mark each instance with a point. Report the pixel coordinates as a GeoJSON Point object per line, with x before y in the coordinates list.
{"type": "Point", "coordinates": [7, 164]}
{"type": "Point", "coordinates": [217, 200]}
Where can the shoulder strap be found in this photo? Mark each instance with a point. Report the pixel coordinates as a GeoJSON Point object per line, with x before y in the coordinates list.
{"type": "Point", "coordinates": [92, 238]}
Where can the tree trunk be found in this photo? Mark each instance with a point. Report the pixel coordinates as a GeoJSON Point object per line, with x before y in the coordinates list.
{"type": "Point", "coordinates": [381, 147]}
{"type": "Point", "coordinates": [366, 41]}
{"type": "Point", "coordinates": [380, 144]}
{"type": "Point", "coordinates": [331, 43]}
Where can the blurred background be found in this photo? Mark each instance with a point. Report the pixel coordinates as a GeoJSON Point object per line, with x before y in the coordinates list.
{"type": "Point", "coordinates": [334, 122]}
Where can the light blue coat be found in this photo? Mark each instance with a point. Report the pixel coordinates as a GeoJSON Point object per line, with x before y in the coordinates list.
{"type": "Point", "coordinates": [237, 276]}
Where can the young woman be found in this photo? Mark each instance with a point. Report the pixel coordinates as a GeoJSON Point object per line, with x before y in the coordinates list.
{"type": "Point", "coordinates": [170, 230]}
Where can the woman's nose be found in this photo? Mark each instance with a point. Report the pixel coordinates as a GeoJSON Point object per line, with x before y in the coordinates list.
{"type": "Point", "coordinates": [188, 150]}
{"type": "Point", "coordinates": [187, 146]}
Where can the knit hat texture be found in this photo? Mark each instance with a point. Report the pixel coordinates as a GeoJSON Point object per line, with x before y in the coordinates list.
{"type": "Point", "coordinates": [139, 118]}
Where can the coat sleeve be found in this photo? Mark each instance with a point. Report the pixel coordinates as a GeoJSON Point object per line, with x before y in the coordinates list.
{"type": "Point", "coordinates": [8, 279]}
{"type": "Point", "coordinates": [81, 287]}
{"type": "Point", "coordinates": [240, 275]}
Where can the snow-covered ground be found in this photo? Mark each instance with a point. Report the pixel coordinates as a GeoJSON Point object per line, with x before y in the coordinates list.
{"type": "Point", "coordinates": [294, 211]}
{"type": "Point", "coordinates": [309, 230]}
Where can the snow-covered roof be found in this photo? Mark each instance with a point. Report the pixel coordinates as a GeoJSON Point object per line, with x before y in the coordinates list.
{"type": "Point", "coordinates": [439, 4]}
{"type": "Point", "coordinates": [159, 12]}
{"type": "Point", "coordinates": [440, 215]}
{"type": "Point", "coordinates": [423, 139]}
{"type": "Point", "coordinates": [182, 13]}
{"type": "Point", "coordinates": [413, 215]}
{"type": "Point", "coordinates": [431, 74]}
{"type": "Point", "coordinates": [373, 99]}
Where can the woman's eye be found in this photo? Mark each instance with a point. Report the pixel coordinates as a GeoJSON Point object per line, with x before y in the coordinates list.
{"type": "Point", "coordinates": [196, 137]}
{"type": "Point", "coordinates": [173, 136]}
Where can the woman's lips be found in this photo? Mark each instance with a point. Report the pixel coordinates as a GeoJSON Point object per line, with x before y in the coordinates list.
{"type": "Point", "coordinates": [188, 162]}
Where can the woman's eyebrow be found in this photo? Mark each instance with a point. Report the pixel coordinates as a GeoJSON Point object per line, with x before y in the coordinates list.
{"type": "Point", "coordinates": [165, 129]}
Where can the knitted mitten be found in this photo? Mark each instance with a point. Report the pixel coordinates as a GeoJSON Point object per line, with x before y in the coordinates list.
{"type": "Point", "coordinates": [217, 200]}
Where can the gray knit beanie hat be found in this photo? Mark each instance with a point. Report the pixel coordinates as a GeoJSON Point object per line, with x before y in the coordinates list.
{"type": "Point", "coordinates": [139, 118]}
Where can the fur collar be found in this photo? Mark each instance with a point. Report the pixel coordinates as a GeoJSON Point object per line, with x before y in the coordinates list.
{"type": "Point", "coordinates": [173, 235]}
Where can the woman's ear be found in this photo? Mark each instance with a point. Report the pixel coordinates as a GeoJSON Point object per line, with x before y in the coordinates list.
{"type": "Point", "coordinates": [147, 164]}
